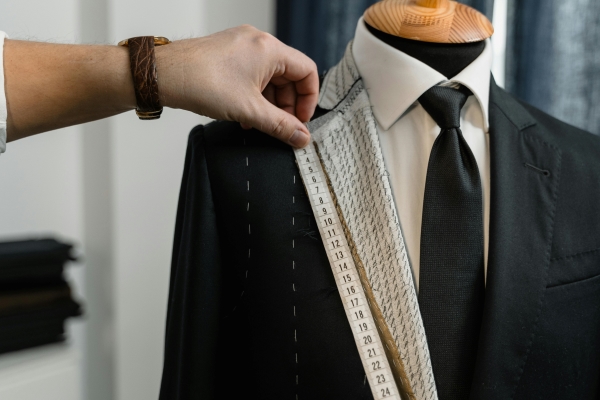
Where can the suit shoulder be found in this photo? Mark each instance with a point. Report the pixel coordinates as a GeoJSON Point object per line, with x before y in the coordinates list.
{"type": "Point", "coordinates": [230, 134]}
{"type": "Point", "coordinates": [227, 133]}
{"type": "Point", "coordinates": [567, 137]}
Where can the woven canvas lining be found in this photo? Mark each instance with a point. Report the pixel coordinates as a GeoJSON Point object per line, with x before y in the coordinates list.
{"type": "Point", "coordinates": [351, 154]}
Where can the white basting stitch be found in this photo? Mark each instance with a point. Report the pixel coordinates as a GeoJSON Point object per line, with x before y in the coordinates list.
{"type": "Point", "coordinates": [249, 229]}
{"type": "Point", "coordinates": [294, 286]}
{"type": "Point", "coordinates": [365, 381]}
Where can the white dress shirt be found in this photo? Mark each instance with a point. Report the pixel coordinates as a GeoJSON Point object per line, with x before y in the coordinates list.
{"type": "Point", "coordinates": [3, 112]}
{"type": "Point", "coordinates": [394, 82]}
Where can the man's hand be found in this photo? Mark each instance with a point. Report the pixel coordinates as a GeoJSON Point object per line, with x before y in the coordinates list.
{"type": "Point", "coordinates": [244, 75]}
{"type": "Point", "coordinates": [240, 74]}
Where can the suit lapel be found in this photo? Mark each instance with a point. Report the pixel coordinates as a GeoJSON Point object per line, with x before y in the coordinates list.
{"type": "Point", "coordinates": [525, 172]}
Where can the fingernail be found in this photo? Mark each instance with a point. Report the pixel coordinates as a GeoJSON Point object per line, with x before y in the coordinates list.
{"type": "Point", "coordinates": [299, 139]}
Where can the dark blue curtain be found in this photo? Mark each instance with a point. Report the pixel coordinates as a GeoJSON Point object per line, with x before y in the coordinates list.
{"type": "Point", "coordinates": [553, 58]}
{"type": "Point", "coordinates": [319, 28]}
{"type": "Point", "coordinates": [553, 48]}
{"type": "Point", "coordinates": [323, 28]}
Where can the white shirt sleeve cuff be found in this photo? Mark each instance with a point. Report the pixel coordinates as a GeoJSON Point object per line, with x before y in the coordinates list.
{"type": "Point", "coordinates": [3, 112]}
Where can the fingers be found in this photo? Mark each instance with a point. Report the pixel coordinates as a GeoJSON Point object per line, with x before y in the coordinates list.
{"type": "Point", "coordinates": [269, 93]}
{"type": "Point", "coordinates": [280, 124]}
{"type": "Point", "coordinates": [300, 70]}
{"type": "Point", "coordinates": [287, 83]}
{"type": "Point", "coordinates": [285, 98]}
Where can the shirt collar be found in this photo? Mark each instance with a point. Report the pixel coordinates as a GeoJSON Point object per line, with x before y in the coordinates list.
{"type": "Point", "coordinates": [395, 80]}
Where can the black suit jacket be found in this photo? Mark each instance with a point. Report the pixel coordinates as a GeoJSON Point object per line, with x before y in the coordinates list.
{"type": "Point", "coordinates": [254, 311]}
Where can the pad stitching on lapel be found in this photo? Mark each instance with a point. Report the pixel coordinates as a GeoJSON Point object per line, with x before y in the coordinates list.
{"type": "Point", "coordinates": [351, 154]}
{"type": "Point", "coordinates": [547, 257]}
{"type": "Point", "coordinates": [343, 99]}
{"type": "Point", "coordinates": [339, 81]}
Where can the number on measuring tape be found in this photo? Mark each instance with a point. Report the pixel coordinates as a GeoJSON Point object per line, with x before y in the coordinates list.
{"type": "Point", "coordinates": [377, 367]}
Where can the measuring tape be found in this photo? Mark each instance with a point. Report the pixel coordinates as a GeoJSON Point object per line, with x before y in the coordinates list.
{"type": "Point", "coordinates": [364, 328]}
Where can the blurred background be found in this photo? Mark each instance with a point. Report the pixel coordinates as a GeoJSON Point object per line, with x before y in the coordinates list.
{"type": "Point", "coordinates": [110, 188]}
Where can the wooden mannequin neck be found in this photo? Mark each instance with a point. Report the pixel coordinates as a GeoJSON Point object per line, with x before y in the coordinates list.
{"type": "Point", "coordinates": [447, 59]}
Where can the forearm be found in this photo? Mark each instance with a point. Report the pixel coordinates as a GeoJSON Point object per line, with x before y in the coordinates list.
{"type": "Point", "coordinates": [51, 86]}
{"type": "Point", "coordinates": [240, 74]}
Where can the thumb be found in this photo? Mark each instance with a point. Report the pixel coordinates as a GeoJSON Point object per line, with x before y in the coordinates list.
{"type": "Point", "coordinates": [280, 124]}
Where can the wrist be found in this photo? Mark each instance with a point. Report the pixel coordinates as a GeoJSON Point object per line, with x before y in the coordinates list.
{"type": "Point", "coordinates": [169, 71]}
{"type": "Point", "coordinates": [143, 65]}
{"type": "Point", "coordinates": [124, 92]}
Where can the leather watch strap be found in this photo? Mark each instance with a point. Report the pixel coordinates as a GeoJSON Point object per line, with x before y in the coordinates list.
{"type": "Point", "coordinates": [145, 78]}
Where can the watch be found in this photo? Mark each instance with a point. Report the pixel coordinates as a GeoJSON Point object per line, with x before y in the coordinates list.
{"type": "Point", "coordinates": [143, 71]}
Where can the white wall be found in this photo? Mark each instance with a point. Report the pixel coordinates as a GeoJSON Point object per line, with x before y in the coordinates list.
{"type": "Point", "coordinates": [112, 187]}
{"type": "Point", "coordinates": [499, 41]}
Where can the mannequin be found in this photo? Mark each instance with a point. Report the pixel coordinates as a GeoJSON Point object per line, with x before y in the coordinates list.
{"type": "Point", "coordinates": [443, 34]}
{"type": "Point", "coordinates": [446, 58]}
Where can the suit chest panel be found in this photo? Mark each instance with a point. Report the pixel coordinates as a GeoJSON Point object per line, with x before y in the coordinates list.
{"type": "Point", "coordinates": [278, 292]}
{"type": "Point", "coordinates": [565, 354]}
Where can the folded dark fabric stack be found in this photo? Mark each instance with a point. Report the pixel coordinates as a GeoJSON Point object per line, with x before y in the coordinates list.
{"type": "Point", "coordinates": [35, 299]}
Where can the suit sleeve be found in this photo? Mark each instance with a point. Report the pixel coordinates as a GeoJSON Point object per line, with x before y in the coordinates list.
{"type": "Point", "coordinates": [193, 308]}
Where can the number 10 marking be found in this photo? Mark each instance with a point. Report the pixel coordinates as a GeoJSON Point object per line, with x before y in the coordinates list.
{"type": "Point", "coordinates": [367, 338]}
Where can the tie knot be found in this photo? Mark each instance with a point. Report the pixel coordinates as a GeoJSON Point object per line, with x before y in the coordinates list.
{"type": "Point", "coordinates": [443, 104]}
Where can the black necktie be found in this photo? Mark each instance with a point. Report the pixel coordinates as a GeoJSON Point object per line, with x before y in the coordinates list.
{"type": "Point", "coordinates": [451, 277]}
